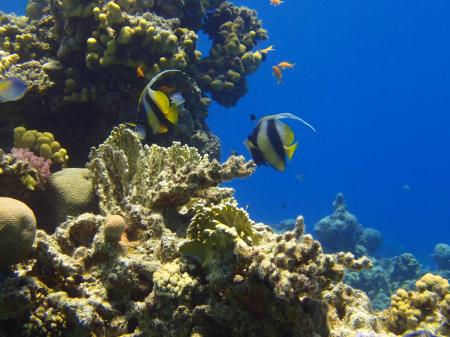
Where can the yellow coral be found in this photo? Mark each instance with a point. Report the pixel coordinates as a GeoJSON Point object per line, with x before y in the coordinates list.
{"type": "Point", "coordinates": [42, 144]}
{"type": "Point", "coordinates": [425, 308]}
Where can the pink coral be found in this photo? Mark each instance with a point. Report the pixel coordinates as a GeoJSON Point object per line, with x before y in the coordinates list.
{"type": "Point", "coordinates": [40, 164]}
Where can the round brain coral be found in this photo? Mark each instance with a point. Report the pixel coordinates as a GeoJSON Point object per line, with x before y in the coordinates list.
{"type": "Point", "coordinates": [17, 231]}
{"type": "Point", "coordinates": [72, 193]}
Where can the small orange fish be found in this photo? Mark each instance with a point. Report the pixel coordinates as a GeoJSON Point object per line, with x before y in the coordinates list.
{"type": "Point", "coordinates": [286, 65]}
{"type": "Point", "coordinates": [140, 71]}
{"type": "Point", "coordinates": [278, 74]}
{"type": "Point", "coordinates": [276, 3]}
{"type": "Point", "coordinates": [267, 50]}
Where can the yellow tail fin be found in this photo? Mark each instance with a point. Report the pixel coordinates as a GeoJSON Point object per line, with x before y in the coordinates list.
{"type": "Point", "coordinates": [172, 114]}
{"type": "Point", "coordinates": [290, 150]}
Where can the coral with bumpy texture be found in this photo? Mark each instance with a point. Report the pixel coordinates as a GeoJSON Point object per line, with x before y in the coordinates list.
{"type": "Point", "coordinates": [424, 308]}
{"type": "Point", "coordinates": [235, 32]}
{"type": "Point", "coordinates": [17, 231]}
{"type": "Point", "coordinates": [40, 164]}
{"type": "Point", "coordinates": [43, 144]}
{"type": "Point", "coordinates": [71, 193]}
{"type": "Point", "coordinates": [143, 285]}
{"type": "Point", "coordinates": [295, 265]}
{"type": "Point", "coordinates": [125, 173]}
{"type": "Point", "coordinates": [17, 177]}
{"type": "Point", "coordinates": [215, 235]}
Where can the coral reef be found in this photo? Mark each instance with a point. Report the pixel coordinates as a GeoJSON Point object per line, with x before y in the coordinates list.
{"type": "Point", "coordinates": [79, 59]}
{"type": "Point", "coordinates": [173, 254]}
{"type": "Point", "coordinates": [441, 256]}
{"type": "Point", "coordinates": [386, 276]}
{"type": "Point", "coordinates": [341, 231]}
{"type": "Point", "coordinates": [17, 231]}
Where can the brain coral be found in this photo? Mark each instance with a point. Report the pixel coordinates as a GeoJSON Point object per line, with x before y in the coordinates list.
{"type": "Point", "coordinates": [71, 193]}
{"type": "Point", "coordinates": [17, 231]}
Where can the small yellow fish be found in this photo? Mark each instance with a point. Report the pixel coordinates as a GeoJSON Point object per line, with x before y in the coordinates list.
{"type": "Point", "coordinates": [267, 50]}
{"type": "Point", "coordinates": [286, 65]}
{"type": "Point", "coordinates": [140, 71]}
{"type": "Point", "coordinates": [12, 89]}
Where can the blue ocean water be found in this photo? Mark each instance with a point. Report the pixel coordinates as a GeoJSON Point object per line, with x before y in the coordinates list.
{"type": "Point", "coordinates": [373, 78]}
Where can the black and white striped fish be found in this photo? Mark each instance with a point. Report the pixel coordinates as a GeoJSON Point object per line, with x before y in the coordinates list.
{"type": "Point", "coordinates": [158, 109]}
{"type": "Point", "coordinates": [272, 140]}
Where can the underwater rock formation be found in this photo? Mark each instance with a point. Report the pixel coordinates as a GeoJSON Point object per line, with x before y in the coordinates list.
{"type": "Point", "coordinates": [441, 256]}
{"type": "Point", "coordinates": [79, 59]}
{"type": "Point", "coordinates": [341, 231]}
{"type": "Point", "coordinates": [386, 276]}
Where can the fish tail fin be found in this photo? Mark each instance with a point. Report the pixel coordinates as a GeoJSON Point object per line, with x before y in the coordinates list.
{"type": "Point", "coordinates": [172, 114]}
{"type": "Point", "coordinates": [290, 150]}
{"type": "Point", "coordinates": [163, 129]}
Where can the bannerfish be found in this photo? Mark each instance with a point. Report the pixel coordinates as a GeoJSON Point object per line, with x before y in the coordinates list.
{"type": "Point", "coordinates": [271, 140]}
{"type": "Point", "coordinates": [12, 89]}
{"type": "Point", "coordinates": [157, 110]}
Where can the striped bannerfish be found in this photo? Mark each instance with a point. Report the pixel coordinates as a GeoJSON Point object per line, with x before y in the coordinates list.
{"type": "Point", "coordinates": [271, 140]}
{"type": "Point", "coordinates": [158, 109]}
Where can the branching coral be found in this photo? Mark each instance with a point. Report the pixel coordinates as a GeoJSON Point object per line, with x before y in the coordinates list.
{"type": "Point", "coordinates": [126, 173]}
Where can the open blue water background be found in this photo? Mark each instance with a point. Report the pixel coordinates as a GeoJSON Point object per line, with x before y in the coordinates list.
{"type": "Point", "coordinates": [374, 78]}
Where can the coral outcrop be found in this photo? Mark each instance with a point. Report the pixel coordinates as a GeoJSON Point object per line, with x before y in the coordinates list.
{"type": "Point", "coordinates": [425, 308]}
{"type": "Point", "coordinates": [341, 231]}
{"type": "Point", "coordinates": [234, 31]}
{"type": "Point", "coordinates": [441, 256]}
